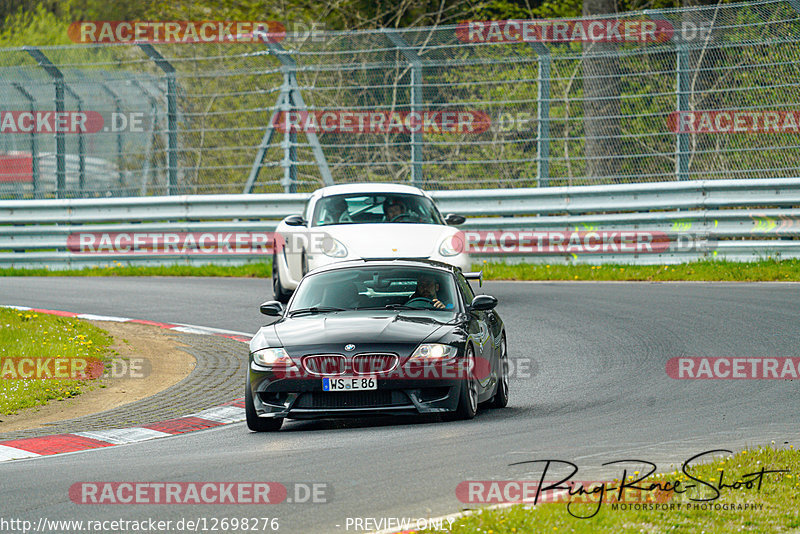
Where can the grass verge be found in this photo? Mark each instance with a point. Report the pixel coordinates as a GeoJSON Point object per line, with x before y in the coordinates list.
{"type": "Point", "coordinates": [705, 271]}
{"type": "Point", "coordinates": [45, 340]}
{"type": "Point", "coordinates": [250, 270]}
{"type": "Point", "coordinates": [708, 271]}
{"type": "Point", "coordinates": [773, 508]}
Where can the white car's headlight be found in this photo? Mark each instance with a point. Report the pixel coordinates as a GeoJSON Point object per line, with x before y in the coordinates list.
{"type": "Point", "coordinates": [451, 246]}
{"type": "Point", "coordinates": [434, 351]}
{"type": "Point", "coordinates": [333, 248]}
{"type": "Point", "coordinates": [273, 357]}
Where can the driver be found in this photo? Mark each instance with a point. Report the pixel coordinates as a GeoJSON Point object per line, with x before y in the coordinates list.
{"type": "Point", "coordinates": [394, 207]}
{"type": "Point", "coordinates": [427, 288]}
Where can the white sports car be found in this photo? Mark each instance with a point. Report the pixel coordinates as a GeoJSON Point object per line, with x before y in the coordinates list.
{"type": "Point", "coordinates": [363, 221]}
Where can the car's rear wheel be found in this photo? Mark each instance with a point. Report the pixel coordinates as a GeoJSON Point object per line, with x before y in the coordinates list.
{"type": "Point", "coordinates": [254, 422]}
{"type": "Point", "coordinates": [500, 399]}
{"type": "Point", "coordinates": [280, 293]}
{"type": "Point", "coordinates": [468, 399]}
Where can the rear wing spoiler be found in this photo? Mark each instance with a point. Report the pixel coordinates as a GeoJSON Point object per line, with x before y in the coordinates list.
{"type": "Point", "coordinates": [475, 276]}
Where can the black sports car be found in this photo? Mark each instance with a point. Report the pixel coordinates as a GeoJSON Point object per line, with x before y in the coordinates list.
{"type": "Point", "coordinates": [369, 337]}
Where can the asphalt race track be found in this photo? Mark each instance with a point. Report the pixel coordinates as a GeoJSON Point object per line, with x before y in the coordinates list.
{"type": "Point", "coordinates": [597, 392]}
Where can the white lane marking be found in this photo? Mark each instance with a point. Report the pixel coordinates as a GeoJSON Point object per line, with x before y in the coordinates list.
{"type": "Point", "coordinates": [10, 453]}
{"type": "Point", "coordinates": [91, 317]}
{"type": "Point", "coordinates": [222, 414]}
{"type": "Point", "coordinates": [118, 436]}
{"type": "Point", "coordinates": [215, 330]}
{"type": "Point", "coordinates": [20, 308]}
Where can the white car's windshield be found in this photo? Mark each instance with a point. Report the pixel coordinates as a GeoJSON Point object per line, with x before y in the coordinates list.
{"type": "Point", "coordinates": [376, 288]}
{"type": "Point", "coordinates": [375, 208]}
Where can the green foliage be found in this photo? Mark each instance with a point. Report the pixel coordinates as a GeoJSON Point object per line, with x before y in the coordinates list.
{"type": "Point", "coordinates": [37, 26]}
{"type": "Point", "coordinates": [27, 334]}
{"type": "Point", "coordinates": [768, 270]}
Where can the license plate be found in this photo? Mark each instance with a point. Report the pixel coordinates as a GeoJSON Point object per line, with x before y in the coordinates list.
{"type": "Point", "coordinates": [349, 383]}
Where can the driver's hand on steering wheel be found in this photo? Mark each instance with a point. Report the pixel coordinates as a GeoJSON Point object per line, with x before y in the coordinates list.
{"type": "Point", "coordinates": [438, 304]}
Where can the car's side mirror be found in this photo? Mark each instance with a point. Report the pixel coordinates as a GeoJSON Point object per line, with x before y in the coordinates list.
{"type": "Point", "coordinates": [273, 308]}
{"type": "Point", "coordinates": [294, 220]}
{"type": "Point", "coordinates": [454, 220]}
{"type": "Point", "coordinates": [483, 303]}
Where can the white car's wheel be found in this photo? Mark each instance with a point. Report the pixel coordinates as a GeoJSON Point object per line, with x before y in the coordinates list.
{"type": "Point", "coordinates": [281, 294]}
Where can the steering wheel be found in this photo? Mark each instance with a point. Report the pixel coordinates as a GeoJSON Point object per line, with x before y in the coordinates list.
{"type": "Point", "coordinates": [422, 299]}
{"type": "Point", "coordinates": [398, 217]}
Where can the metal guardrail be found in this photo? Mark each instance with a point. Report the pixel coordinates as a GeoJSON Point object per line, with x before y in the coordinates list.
{"type": "Point", "coordinates": [709, 91]}
{"type": "Point", "coordinates": [733, 219]}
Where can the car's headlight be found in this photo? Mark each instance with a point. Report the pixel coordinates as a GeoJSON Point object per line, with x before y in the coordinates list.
{"type": "Point", "coordinates": [434, 351]}
{"type": "Point", "coordinates": [333, 248]}
{"type": "Point", "coordinates": [273, 357]}
{"type": "Point", "coordinates": [451, 246]}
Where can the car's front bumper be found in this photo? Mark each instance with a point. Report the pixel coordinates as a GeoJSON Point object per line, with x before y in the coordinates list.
{"type": "Point", "coordinates": [303, 398]}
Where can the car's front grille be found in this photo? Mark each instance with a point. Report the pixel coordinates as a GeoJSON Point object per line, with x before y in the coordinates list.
{"type": "Point", "coordinates": [366, 364]}
{"type": "Point", "coordinates": [325, 364]}
{"type": "Point", "coordinates": [351, 399]}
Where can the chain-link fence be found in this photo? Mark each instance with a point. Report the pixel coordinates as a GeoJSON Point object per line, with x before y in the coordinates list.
{"type": "Point", "coordinates": [701, 93]}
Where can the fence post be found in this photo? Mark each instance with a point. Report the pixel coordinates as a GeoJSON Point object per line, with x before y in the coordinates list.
{"type": "Point", "coordinates": [682, 105]}
{"type": "Point", "coordinates": [34, 147]}
{"type": "Point", "coordinates": [289, 143]}
{"type": "Point", "coordinates": [58, 82]}
{"type": "Point", "coordinates": [150, 134]}
{"type": "Point", "coordinates": [290, 99]}
{"type": "Point", "coordinates": [172, 116]}
{"type": "Point", "coordinates": [81, 147]}
{"type": "Point", "coordinates": [261, 153]}
{"type": "Point", "coordinates": [543, 116]}
{"type": "Point", "coordinates": [118, 109]}
{"type": "Point", "coordinates": [416, 103]}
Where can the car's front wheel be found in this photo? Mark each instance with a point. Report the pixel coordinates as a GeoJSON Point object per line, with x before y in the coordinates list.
{"type": "Point", "coordinates": [281, 294]}
{"type": "Point", "coordinates": [468, 399]}
{"type": "Point", "coordinates": [254, 422]}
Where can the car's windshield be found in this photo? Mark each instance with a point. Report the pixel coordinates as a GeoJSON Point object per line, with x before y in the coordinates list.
{"type": "Point", "coordinates": [375, 208]}
{"type": "Point", "coordinates": [386, 287]}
